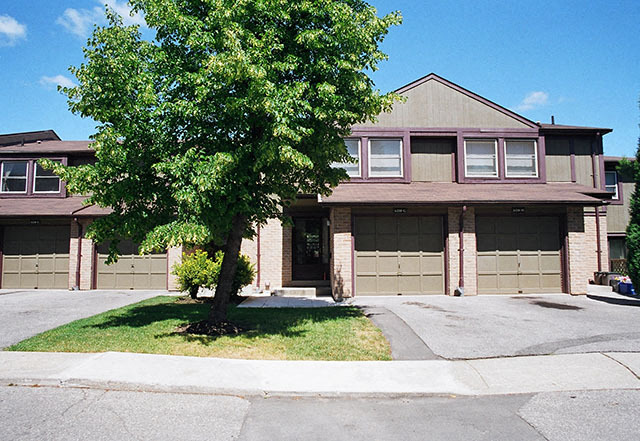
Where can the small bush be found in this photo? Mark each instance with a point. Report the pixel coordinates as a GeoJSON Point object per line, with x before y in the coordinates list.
{"type": "Point", "coordinates": [198, 270]}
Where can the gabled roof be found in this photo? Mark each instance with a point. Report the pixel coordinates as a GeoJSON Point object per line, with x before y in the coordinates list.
{"type": "Point", "coordinates": [28, 137]}
{"type": "Point", "coordinates": [475, 96]}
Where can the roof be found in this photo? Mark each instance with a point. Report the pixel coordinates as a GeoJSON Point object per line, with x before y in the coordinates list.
{"type": "Point", "coordinates": [451, 193]}
{"type": "Point", "coordinates": [573, 129]}
{"type": "Point", "coordinates": [51, 146]}
{"type": "Point", "coordinates": [25, 137]}
{"type": "Point", "coordinates": [618, 158]}
{"type": "Point", "coordinates": [30, 206]}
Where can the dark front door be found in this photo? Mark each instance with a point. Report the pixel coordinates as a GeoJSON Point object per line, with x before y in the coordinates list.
{"type": "Point", "coordinates": [310, 248]}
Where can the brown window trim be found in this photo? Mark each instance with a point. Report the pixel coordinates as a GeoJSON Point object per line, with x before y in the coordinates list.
{"type": "Point", "coordinates": [31, 170]}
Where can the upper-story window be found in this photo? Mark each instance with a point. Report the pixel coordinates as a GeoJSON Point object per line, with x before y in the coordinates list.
{"type": "Point", "coordinates": [481, 158]}
{"type": "Point", "coordinates": [611, 184]}
{"type": "Point", "coordinates": [45, 181]}
{"type": "Point", "coordinates": [14, 177]}
{"type": "Point", "coordinates": [521, 159]}
{"type": "Point", "coordinates": [385, 158]}
{"type": "Point", "coordinates": [353, 148]}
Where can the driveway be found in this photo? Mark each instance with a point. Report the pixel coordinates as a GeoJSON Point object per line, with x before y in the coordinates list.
{"type": "Point", "coordinates": [24, 314]}
{"type": "Point", "coordinates": [494, 326]}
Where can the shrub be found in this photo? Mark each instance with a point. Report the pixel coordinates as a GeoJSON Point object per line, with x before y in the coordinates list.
{"type": "Point", "coordinates": [198, 270]}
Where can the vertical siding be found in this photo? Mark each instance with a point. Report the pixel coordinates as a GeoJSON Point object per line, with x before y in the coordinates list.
{"type": "Point", "coordinates": [558, 159]}
{"type": "Point", "coordinates": [618, 215]}
{"type": "Point", "coordinates": [431, 160]}
{"type": "Point", "coordinates": [584, 162]}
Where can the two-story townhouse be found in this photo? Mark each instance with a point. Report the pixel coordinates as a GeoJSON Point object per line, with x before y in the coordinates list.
{"type": "Point", "coordinates": [621, 187]}
{"type": "Point", "coordinates": [451, 192]}
{"type": "Point", "coordinates": [42, 243]}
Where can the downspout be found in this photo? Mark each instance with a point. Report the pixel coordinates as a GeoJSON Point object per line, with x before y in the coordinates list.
{"type": "Point", "coordinates": [460, 289]}
{"type": "Point", "coordinates": [79, 255]}
{"type": "Point", "coordinates": [594, 167]}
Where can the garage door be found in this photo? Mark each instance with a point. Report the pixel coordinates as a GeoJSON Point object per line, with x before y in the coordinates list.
{"type": "Point", "coordinates": [131, 271]}
{"type": "Point", "coordinates": [518, 255]}
{"type": "Point", "coordinates": [399, 255]}
{"type": "Point", "coordinates": [35, 257]}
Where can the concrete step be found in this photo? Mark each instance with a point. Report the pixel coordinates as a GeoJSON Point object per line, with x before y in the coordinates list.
{"type": "Point", "coordinates": [598, 289]}
{"type": "Point", "coordinates": [294, 292]}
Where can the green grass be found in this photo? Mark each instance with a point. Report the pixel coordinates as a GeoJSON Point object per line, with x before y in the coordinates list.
{"type": "Point", "coordinates": [339, 333]}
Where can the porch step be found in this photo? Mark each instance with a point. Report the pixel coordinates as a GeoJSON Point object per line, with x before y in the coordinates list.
{"type": "Point", "coordinates": [598, 289]}
{"type": "Point", "coordinates": [294, 292]}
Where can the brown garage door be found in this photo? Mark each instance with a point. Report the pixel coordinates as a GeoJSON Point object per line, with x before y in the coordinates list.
{"type": "Point", "coordinates": [36, 257]}
{"type": "Point", "coordinates": [131, 271]}
{"type": "Point", "coordinates": [399, 255]}
{"type": "Point", "coordinates": [518, 255]}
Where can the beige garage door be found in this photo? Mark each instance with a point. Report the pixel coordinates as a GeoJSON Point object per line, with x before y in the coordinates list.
{"type": "Point", "coordinates": [399, 255]}
{"type": "Point", "coordinates": [131, 271]}
{"type": "Point", "coordinates": [36, 257]}
{"type": "Point", "coordinates": [518, 255]}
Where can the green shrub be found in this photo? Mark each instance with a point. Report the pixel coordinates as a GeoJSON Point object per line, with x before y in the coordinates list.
{"type": "Point", "coordinates": [198, 270]}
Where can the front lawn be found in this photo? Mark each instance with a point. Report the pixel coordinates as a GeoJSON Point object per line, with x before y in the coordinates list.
{"type": "Point", "coordinates": [150, 326]}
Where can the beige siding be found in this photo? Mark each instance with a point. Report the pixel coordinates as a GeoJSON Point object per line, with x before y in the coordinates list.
{"type": "Point", "coordinates": [558, 158]}
{"type": "Point", "coordinates": [618, 215]}
{"type": "Point", "coordinates": [584, 170]}
{"type": "Point", "coordinates": [431, 160]}
{"type": "Point", "coordinates": [434, 104]}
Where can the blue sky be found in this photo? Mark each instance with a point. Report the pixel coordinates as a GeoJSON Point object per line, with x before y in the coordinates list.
{"type": "Point", "coordinates": [579, 61]}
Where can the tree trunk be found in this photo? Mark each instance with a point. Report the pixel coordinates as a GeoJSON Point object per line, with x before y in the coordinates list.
{"type": "Point", "coordinates": [218, 312]}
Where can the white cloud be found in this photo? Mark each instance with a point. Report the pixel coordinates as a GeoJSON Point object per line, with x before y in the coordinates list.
{"type": "Point", "coordinates": [11, 31]}
{"type": "Point", "coordinates": [58, 80]}
{"type": "Point", "coordinates": [533, 100]}
{"type": "Point", "coordinates": [80, 22]}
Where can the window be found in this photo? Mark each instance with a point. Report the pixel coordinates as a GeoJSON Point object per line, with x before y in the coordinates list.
{"type": "Point", "coordinates": [481, 158]}
{"type": "Point", "coordinates": [520, 158]}
{"type": "Point", "coordinates": [611, 183]}
{"type": "Point", "coordinates": [14, 177]}
{"type": "Point", "coordinates": [385, 158]}
{"type": "Point", "coordinates": [353, 148]}
{"type": "Point", "coordinates": [45, 181]}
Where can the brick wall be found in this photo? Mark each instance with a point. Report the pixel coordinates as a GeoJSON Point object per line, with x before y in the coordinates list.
{"type": "Point", "coordinates": [583, 260]}
{"type": "Point", "coordinates": [249, 247]}
{"type": "Point", "coordinates": [287, 257]}
{"type": "Point", "coordinates": [470, 269]}
{"type": "Point", "coordinates": [86, 257]}
{"type": "Point", "coordinates": [174, 256]}
{"type": "Point", "coordinates": [271, 256]}
{"type": "Point", "coordinates": [340, 233]}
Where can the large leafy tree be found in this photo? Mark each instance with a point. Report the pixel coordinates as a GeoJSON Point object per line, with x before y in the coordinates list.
{"type": "Point", "coordinates": [234, 107]}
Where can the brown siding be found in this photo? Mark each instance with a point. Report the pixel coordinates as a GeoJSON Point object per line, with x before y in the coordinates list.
{"type": "Point", "coordinates": [584, 162]}
{"type": "Point", "coordinates": [618, 215]}
{"type": "Point", "coordinates": [431, 160]}
{"type": "Point", "coordinates": [434, 104]}
{"type": "Point", "coordinates": [558, 158]}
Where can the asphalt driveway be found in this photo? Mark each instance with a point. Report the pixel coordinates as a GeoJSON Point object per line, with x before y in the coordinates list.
{"type": "Point", "coordinates": [494, 326]}
{"type": "Point", "coordinates": [24, 314]}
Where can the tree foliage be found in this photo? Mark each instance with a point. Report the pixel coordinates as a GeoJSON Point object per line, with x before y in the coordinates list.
{"type": "Point", "coordinates": [229, 112]}
{"type": "Point", "coordinates": [631, 169]}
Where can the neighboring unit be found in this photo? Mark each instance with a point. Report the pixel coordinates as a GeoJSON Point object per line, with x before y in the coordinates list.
{"type": "Point", "coordinates": [42, 243]}
{"type": "Point", "coordinates": [618, 217]}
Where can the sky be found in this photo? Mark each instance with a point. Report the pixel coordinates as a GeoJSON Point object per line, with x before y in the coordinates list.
{"type": "Point", "coordinates": [576, 60]}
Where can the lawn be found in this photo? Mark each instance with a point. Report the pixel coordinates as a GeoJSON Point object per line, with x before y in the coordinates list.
{"type": "Point", "coordinates": [150, 326]}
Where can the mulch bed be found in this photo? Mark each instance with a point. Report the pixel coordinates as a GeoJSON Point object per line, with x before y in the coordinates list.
{"type": "Point", "coordinates": [212, 329]}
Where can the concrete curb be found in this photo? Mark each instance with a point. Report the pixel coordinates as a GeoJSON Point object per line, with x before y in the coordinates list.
{"type": "Point", "coordinates": [148, 372]}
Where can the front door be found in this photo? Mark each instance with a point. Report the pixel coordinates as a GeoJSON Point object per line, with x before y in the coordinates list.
{"type": "Point", "coordinates": [310, 248]}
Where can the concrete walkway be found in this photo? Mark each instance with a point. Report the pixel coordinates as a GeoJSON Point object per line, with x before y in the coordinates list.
{"type": "Point", "coordinates": [146, 372]}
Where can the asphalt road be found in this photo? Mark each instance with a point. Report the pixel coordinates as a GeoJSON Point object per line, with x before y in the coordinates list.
{"type": "Point", "coordinates": [24, 314]}
{"type": "Point", "coordinates": [79, 414]}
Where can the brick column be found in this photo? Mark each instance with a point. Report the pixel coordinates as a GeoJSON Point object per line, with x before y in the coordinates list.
{"type": "Point", "coordinates": [271, 236]}
{"type": "Point", "coordinates": [470, 251]}
{"type": "Point", "coordinates": [287, 254]}
{"type": "Point", "coordinates": [341, 257]}
{"type": "Point", "coordinates": [249, 247]}
{"type": "Point", "coordinates": [174, 257]}
{"type": "Point", "coordinates": [85, 257]}
{"type": "Point", "coordinates": [582, 248]}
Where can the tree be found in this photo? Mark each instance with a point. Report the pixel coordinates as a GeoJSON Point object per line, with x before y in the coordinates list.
{"type": "Point", "coordinates": [632, 169]}
{"type": "Point", "coordinates": [233, 109]}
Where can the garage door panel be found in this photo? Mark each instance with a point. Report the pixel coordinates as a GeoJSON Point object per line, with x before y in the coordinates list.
{"type": "Point", "coordinates": [387, 265]}
{"type": "Point", "coordinates": [550, 281]}
{"type": "Point", "coordinates": [386, 225]}
{"type": "Point", "coordinates": [410, 284]}
{"type": "Point", "coordinates": [408, 226]}
{"type": "Point", "coordinates": [507, 263]}
{"type": "Point", "coordinates": [432, 284]}
{"type": "Point", "coordinates": [367, 265]}
{"type": "Point", "coordinates": [529, 263]}
{"type": "Point", "coordinates": [365, 226]}
{"type": "Point", "coordinates": [46, 263]}
{"type": "Point", "coordinates": [506, 242]}
{"type": "Point", "coordinates": [365, 242]}
{"type": "Point", "coordinates": [550, 263]}
{"type": "Point", "coordinates": [487, 263]}
{"type": "Point", "coordinates": [431, 243]}
{"type": "Point", "coordinates": [486, 242]}
{"type": "Point", "coordinates": [388, 284]}
{"type": "Point", "coordinates": [508, 282]}
{"type": "Point", "coordinates": [386, 242]}
{"type": "Point", "coordinates": [487, 282]}
{"type": "Point", "coordinates": [367, 284]}
{"type": "Point", "coordinates": [408, 243]}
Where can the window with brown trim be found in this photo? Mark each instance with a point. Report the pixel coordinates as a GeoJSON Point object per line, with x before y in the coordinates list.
{"type": "Point", "coordinates": [14, 176]}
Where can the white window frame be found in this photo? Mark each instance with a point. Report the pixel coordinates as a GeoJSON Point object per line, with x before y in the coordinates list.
{"type": "Point", "coordinates": [341, 164]}
{"type": "Point", "coordinates": [401, 175]}
{"type": "Point", "coordinates": [26, 177]}
{"type": "Point", "coordinates": [35, 178]}
{"type": "Point", "coordinates": [495, 153]}
{"type": "Point", "coordinates": [615, 193]}
{"type": "Point", "coordinates": [535, 158]}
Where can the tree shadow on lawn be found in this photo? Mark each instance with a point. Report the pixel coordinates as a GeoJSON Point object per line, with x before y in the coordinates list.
{"type": "Point", "coordinates": [257, 321]}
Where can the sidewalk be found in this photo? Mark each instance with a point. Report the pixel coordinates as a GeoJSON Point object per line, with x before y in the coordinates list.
{"type": "Point", "coordinates": [147, 372]}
